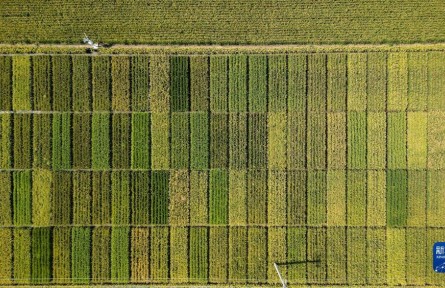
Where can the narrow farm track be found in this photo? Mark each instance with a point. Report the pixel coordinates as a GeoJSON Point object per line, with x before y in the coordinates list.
{"type": "Point", "coordinates": [195, 166]}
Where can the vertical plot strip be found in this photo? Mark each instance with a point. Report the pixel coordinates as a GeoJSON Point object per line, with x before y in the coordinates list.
{"type": "Point", "coordinates": [199, 208]}
{"type": "Point", "coordinates": [435, 199]}
{"type": "Point", "coordinates": [218, 84]}
{"type": "Point", "coordinates": [101, 198]}
{"type": "Point", "coordinates": [397, 81]}
{"type": "Point", "coordinates": [81, 86]}
{"type": "Point", "coordinates": [180, 141]}
{"type": "Point", "coordinates": [237, 197]}
{"type": "Point", "coordinates": [256, 196]}
{"type": "Point", "coordinates": [179, 198]}
{"type": "Point", "coordinates": [6, 70]}
{"type": "Point", "coordinates": [41, 141]}
{"type": "Point", "coordinates": [62, 252]}
{"type": "Point", "coordinates": [6, 216]}
{"type": "Point", "coordinates": [218, 201]}
{"type": "Point", "coordinates": [296, 197]}
{"type": "Point", "coordinates": [82, 199]}
{"type": "Point", "coordinates": [61, 141]}
{"type": "Point", "coordinates": [42, 85]}
{"type": "Point", "coordinates": [316, 141]}
{"type": "Point", "coordinates": [377, 256]}
{"type": "Point", "coordinates": [218, 253]}
{"type": "Point", "coordinates": [159, 84]}
{"type": "Point", "coordinates": [296, 140]}
{"type": "Point", "coordinates": [6, 254]}
{"type": "Point", "coordinates": [81, 257]}
{"type": "Point", "coordinates": [237, 83]}
{"type": "Point", "coordinates": [357, 140]}
{"type": "Point", "coordinates": [22, 198]}
{"type": "Point", "coordinates": [296, 82]}
{"type": "Point", "coordinates": [81, 141]}
{"type": "Point", "coordinates": [22, 255]}
{"type": "Point", "coordinates": [159, 197]}
{"type": "Point", "coordinates": [337, 82]}
{"type": "Point", "coordinates": [100, 141]}
{"type": "Point", "coordinates": [417, 146]}
{"type": "Point", "coordinates": [62, 86]}
{"type": "Point", "coordinates": [199, 138]}
{"type": "Point", "coordinates": [179, 254]}
{"type": "Point", "coordinates": [396, 140]}
{"type": "Point", "coordinates": [418, 81]}
{"type": "Point", "coordinates": [179, 83]}
{"type": "Point", "coordinates": [140, 197]}
{"type": "Point", "coordinates": [140, 83]}
{"type": "Point", "coordinates": [159, 254]}
{"type": "Point", "coordinates": [237, 254]}
{"type": "Point", "coordinates": [257, 140]}
{"type": "Point", "coordinates": [101, 83]}
{"type": "Point", "coordinates": [22, 153]}
{"type": "Point", "coordinates": [316, 83]}
{"type": "Point", "coordinates": [100, 254]}
{"type": "Point", "coordinates": [417, 195]}
{"type": "Point", "coordinates": [61, 205]}
{"type": "Point", "coordinates": [336, 142]}
{"type": "Point", "coordinates": [436, 140]}
{"type": "Point", "coordinates": [199, 83]}
{"type": "Point", "coordinates": [198, 254]}
{"type": "Point", "coordinates": [257, 254]}
{"type": "Point", "coordinates": [337, 256]}
{"type": "Point", "coordinates": [436, 87]}
{"type": "Point", "coordinates": [120, 265]}
{"type": "Point", "coordinates": [277, 94]}
{"type": "Point", "coordinates": [238, 141]}
{"type": "Point", "coordinates": [219, 141]}
{"type": "Point", "coordinates": [277, 140]}
{"type": "Point", "coordinates": [41, 197]}
{"type": "Point", "coordinates": [6, 152]}
{"type": "Point", "coordinates": [377, 81]}
{"type": "Point", "coordinates": [41, 255]}
{"type": "Point", "coordinates": [257, 96]}
{"type": "Point", "coordinates": [356, 199]}
{"type": "Point", "coordinates": [160, 143]}
{"type": "Point", "coordinates": [357, 82]}
{"type": "Point", "coordinates": [316, 198]}
{"type": "Point", "coordinates": [140, 140]}
{"type": "Point", "coordinates": [120, 83]}
{"type": "Point", "coordinates": [120, 197]}
{"type": "Point", "coordinates": [21, 81]}
{"type": "Point", "coordinates": [140, 254]}
{"type": "Point", "coordinates": [396, 195]}
{"type": "Point", "coordinates": [296, 253]}
{"type": "Point", "coordinates": [120, 141]}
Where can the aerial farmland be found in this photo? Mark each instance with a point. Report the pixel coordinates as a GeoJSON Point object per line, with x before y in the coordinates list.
{"type": "Point", "coordinates": [222, 143]}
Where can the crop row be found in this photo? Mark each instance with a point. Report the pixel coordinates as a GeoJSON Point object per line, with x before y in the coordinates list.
{"type": "Point", "coordinates": [142, 140]}
{"type": "Point", "coordinates": [397, 198]}
{"type": "Point", "coordinates": [333, 82]}
{"type": "Point", "coordinates": [335, 255]}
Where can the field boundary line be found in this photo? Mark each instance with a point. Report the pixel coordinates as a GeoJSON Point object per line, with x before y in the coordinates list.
{"type": "Point", "coordinates": [42, 49]}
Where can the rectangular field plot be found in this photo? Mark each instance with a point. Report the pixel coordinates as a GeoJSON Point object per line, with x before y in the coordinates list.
{"type": "Point", "coordinates": [203, 169]}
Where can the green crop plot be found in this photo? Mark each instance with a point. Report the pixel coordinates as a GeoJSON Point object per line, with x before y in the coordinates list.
{"type": "Point", "coordinates": [200, 169]}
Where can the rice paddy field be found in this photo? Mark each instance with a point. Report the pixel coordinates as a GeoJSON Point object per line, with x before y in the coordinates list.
{"type": "Point", "coordinates": [206, 169]}
{"type": "Point", "coordinates": [313, 137]}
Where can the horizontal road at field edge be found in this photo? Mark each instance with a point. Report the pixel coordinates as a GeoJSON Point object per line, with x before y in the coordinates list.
{"type": "Point", "coordinates": [36, 49]}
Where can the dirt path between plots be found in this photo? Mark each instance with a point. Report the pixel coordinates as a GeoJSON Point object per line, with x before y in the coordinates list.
{"type": "Point", "coordinates": [8, 49]}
